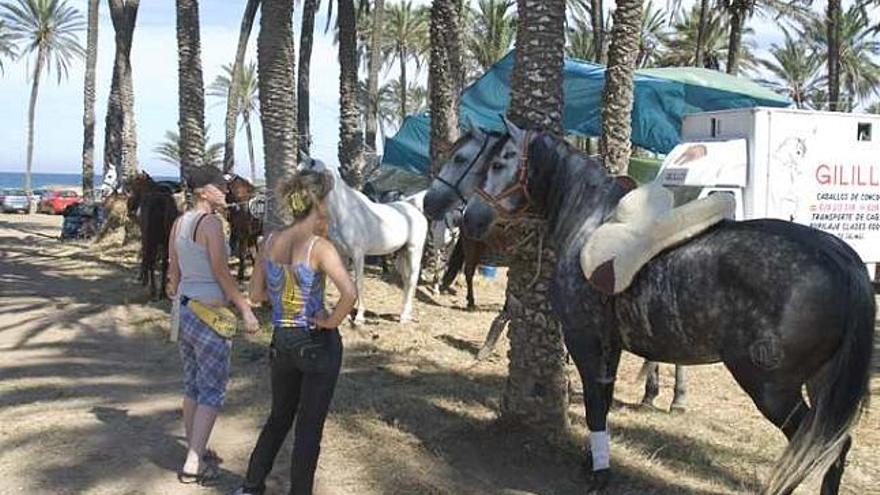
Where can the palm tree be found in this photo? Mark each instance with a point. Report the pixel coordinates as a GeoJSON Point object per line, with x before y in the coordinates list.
{"type": "Point", "coordinates": [740, 11]}
{"type": "Point", "coordinates": [406, 31]}
{"type": "Point", "coordinates": [231, 121]}
{"type": "Point", "coordinates": [540, 54]}
{"type": "Point", "coordinates": [443, 75]}
{"type": "Point", "coordinates": [351, 137]}
{"type": "Point", "coordinates": [46, 29]}
{"type": "Point", "coordinates": [794, 67]}
{"type": "Point", "coordinates": [7, 44]}
{"type": "Point", "coordinates": [275, 55]}
{"type": "Point", "coordinates": [651, 35]}
{"type": "Point", "coordinates": [580, 40]}
{"type": "Point", "coordinates": [88, 154]}
{"type": "Point", "coordinates": [120, 133]}
{"type": "Point", "coordinates": [617, 98]}
{"type": "Point", "coordinates": [390, 98]}
{"type": "Point", "coordinates": [191, 87]}
{"type": "Point", "coordinates": [859, 49]}
{"type": "Point", "coordinates": [373, 68]}
{"type": "Point", "coordinates": [168, 151]}
{"type": "Point", "coordinates": [245, 101]}
{"type": "Point", "coordinates": [833, 34]}
{"type": "Point", "coordinates": [306, 37]}
{"type": "Point", "coordinates": [492, 32]}
{"type": "Point", "coordinates": [680, 46]}
{"type": "Point", "coordinates": [589, 17]}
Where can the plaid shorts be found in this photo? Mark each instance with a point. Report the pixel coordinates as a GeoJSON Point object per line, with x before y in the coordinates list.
{"type": "Point", "coordinates": [205, 357]}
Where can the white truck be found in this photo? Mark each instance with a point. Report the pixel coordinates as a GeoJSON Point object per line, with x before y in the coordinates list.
{"type": "Point", "coordinates": [820, 169]}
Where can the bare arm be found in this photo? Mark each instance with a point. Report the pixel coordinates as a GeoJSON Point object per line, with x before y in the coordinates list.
{"type": "Point", "coordinates": [258, 279]}
{"type": "Point", "coordinates": [330, 263]}
{"type": "Point", "coordinates": [173, 263]}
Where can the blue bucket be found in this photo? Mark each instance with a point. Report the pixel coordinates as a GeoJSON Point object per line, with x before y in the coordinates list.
{"type": "Point", "coordinates": [488, 271]}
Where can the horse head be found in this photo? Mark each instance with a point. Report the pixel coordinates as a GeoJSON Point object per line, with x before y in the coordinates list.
{"type": "Point", "coordinates": [461, 172]}
{"type": "Point", "coordinates": [501, 184]}
{"type": "Point", "coordinates": [239, 189]}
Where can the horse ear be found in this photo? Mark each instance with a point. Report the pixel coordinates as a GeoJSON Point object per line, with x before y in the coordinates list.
{"type": "Point", "coordinates": [515, 132]}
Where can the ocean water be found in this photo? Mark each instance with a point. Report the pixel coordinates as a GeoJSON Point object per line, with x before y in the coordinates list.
{"type": "Point", "coordinates": [16, 180]}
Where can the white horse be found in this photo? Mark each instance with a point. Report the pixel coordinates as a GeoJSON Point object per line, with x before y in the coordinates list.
{"type": "Point", "coordinates": [361, 227]}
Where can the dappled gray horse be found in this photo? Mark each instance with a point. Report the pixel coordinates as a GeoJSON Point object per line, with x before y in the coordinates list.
{"type": "Point", "coordinates": [783, 306]}
{"type": "Point", "coordinates": [459, 178]}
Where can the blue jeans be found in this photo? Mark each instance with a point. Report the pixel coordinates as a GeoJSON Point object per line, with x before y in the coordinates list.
{"type": "Point", "coordinates": [304, 397]}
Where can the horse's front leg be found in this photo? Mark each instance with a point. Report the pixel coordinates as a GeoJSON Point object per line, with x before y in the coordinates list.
{"type": "Point", "coordinates": [596, 361]}
{"type": "Point", "coordinates": [358, 261]}
{"type": "Point", "coordinates": [651, 370]}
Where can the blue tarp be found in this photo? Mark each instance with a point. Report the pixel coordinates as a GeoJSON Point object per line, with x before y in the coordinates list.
{"type": "Point", "coordinates": [662, 98]}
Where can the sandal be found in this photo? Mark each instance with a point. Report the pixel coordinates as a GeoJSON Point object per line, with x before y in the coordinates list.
{"type": "Point", "coordinates": [204, 478]}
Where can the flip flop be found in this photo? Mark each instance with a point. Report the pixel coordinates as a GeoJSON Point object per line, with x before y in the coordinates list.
{"type": "Point", "coordinates": [206, 477]}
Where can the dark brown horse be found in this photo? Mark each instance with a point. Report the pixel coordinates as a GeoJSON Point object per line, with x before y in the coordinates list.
{"type": "Point", "coordinates": [468, 254]}
{"type": "Point", "coordinates": [153, 206]}
{"type": "Point", "coordinates": [244, 227]}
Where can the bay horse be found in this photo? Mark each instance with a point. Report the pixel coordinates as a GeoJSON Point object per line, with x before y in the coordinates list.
{"type": "Point", "coordinates": [783, 306]}
{"type": "Point", "coordinates": [459, 178]}
{"type": "Point", "coordinates": [360, 227]}
{"type": "Point", "coordinates": [153, 205]}
{"type": "Point", "coordinates": [244, 227]}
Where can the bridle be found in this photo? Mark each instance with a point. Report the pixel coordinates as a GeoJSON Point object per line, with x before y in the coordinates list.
{"type": "Point", "coordinates": [467, 171]}
{"type": "Point", "coordinates": [521, 186]}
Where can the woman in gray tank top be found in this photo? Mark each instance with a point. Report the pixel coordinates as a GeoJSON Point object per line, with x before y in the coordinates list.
{"type": "Point", "coordinates": [199, 271]}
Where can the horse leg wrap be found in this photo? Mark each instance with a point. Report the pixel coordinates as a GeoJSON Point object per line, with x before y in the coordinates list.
{"type": "Point", "coordinates": [600, 449]}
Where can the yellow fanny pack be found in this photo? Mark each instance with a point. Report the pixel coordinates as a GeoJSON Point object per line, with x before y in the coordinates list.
{"type": "Point", "coordinates": [221, 320]}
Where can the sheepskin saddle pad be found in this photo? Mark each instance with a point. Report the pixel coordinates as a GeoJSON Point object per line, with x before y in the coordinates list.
{"type": "Point", "coordinates": [644, 224]}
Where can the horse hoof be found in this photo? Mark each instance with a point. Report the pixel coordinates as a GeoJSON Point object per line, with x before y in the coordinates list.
{"type": "Point", "coordinates": [406, 319]}
{"type": "Point", "coordinates": [648, 405]}
{"type": "Point", "coordinates": [677, 408]}
{"type": "Point", "coordinates": [471, 307]}
{"type": "Point", "coordinates": [598, 481]}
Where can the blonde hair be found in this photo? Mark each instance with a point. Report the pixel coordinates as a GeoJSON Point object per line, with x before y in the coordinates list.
{"type": "Point", "coordinates": [300, 194]}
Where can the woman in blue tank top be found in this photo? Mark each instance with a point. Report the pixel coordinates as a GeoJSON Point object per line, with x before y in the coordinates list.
{"type": "Point", "coordinates": [290, 272]}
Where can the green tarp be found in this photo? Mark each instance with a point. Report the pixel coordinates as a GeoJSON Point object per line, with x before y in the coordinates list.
{"type": "Point", "coordinates": [662, 98]}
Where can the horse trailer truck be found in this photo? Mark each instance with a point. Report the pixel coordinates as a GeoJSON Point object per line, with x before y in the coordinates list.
{"type": "Point", "coordinates": [820, 169]}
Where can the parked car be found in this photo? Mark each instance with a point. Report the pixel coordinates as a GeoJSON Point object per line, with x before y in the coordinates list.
{"type": "Point", "coordinates": [15, 200]}
{"type": "Point", "coordinates": [54, 202]}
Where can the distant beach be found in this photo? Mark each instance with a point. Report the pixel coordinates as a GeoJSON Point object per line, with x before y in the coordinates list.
{"type": "Point", "coordinates": [15, 180]}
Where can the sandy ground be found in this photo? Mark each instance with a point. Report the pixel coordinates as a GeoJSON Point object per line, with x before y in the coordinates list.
{"type": "Point", "coordinates": [89, 399]}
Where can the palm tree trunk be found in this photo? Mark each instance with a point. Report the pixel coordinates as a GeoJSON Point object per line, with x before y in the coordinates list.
{"type": "Point", "coordinates": [120, 139]}
{"type": "Point", "coordinates": [191, 89]}
{"type": "Point", "coordinates": [303, 86]}
{"type": "Point", "coordinates": [402, 59]}
{"type": "Point", "coordinates": [833, 27]}
{"type": "Point", "coordinates": [351, 139]}
{"type": "Point", "coordinates": [88, 154]}
{"type": "Point", "coordinates": [617, 98]}
{"type": "Point", "coordinates": [244, 34]}
{"type": "Point", "coordinates": [275, 66]}
{"type": "Point", "coordinates": [372, 121]}
{"type": "Point", "coordinates": [250, 141]}
{"type": "Point", "coordinates": [701, 32]}
{"type": "Point", "coordinates": [597, 19]}
{"type": "Point", "coordinates": [32, 111]}
{"type": "Point", "coordinates": [443, 81]}
{"type": "Point", "coordinates": [536, 392]}
{"type": "Point", "coordinates": [736, 25]}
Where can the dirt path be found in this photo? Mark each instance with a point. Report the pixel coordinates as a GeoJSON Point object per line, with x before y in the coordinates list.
{"type": "Point", "coordinates": [89, 399]}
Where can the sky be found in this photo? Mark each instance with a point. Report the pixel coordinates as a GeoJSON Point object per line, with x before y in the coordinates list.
{"type": "Point", "coordinates": [58, 136]}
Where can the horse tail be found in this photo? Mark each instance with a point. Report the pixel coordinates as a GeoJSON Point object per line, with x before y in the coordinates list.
{"type": "Point", "coordinates": [456, 262]}
{"type": "Point", "coordinates": [840, 390]}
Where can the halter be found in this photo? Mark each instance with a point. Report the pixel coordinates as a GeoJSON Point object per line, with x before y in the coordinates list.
{"type": "Point", "coordinates": [467, 171]}
{"type": "Point", "coordinates": [521, 186]}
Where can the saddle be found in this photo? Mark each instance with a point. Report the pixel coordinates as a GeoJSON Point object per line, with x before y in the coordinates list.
{"type": "Point", "coordinates": [644, 224]}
